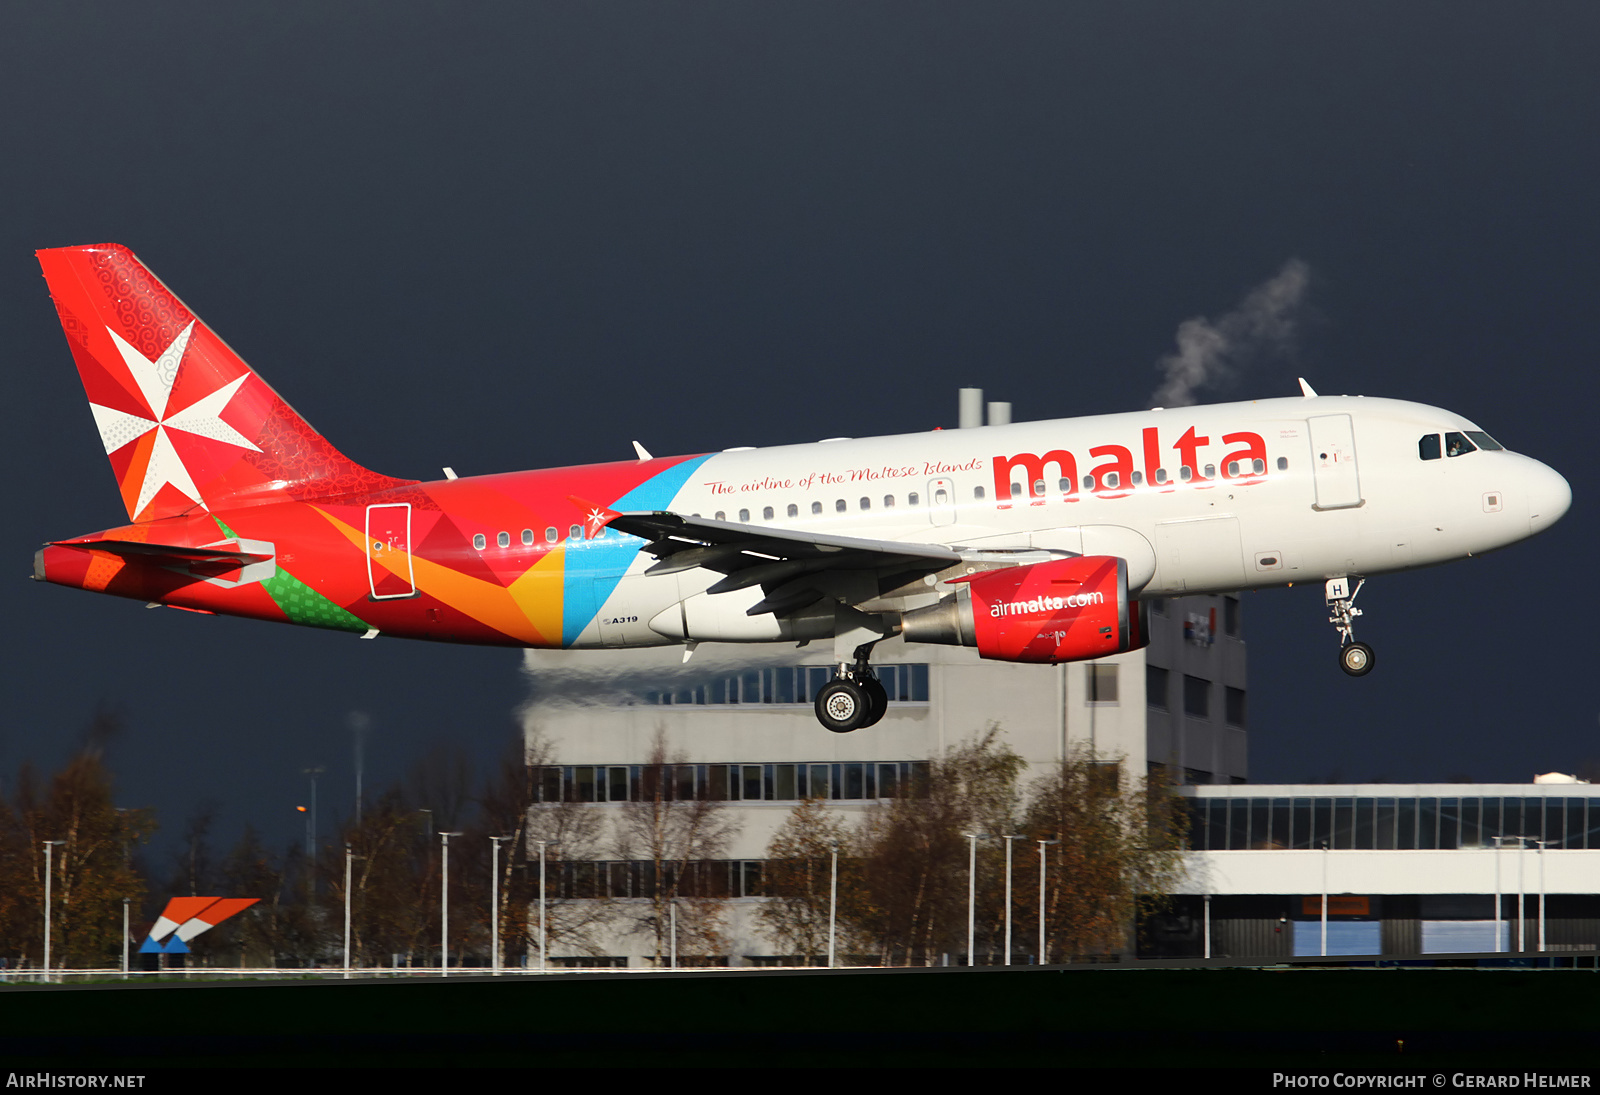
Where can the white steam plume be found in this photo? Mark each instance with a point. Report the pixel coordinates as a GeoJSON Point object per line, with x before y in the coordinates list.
{"type": "Point", "coordinates": [1211, 353]}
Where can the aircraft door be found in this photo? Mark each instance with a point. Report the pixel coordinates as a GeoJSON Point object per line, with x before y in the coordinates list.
{"type": "Point", "coordinates": [1333, 461]}
{"type": "Point", "coordinates": [942, 501]}
{"type": "Point", "coordinates": [390, 573]}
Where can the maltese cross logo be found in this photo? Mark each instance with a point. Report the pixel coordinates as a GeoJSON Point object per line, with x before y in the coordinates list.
{"type": "Point", "coordinates": [202, 418]}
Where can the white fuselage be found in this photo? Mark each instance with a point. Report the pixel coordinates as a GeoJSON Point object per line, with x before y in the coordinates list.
{"type": "Point", "coordinates": [1196, 499]}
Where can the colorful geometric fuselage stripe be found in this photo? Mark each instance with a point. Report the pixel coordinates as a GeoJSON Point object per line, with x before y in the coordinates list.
{"type": "Point", "coordinates": [501, 560]}
{"type": "Point", "coordinates": [240, 507]}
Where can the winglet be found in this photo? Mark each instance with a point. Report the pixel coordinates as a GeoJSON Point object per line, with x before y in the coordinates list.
{"type": "Point", "coordinates": [644, 453]}
{"type": "Point", "coordinates": [1306, 389]}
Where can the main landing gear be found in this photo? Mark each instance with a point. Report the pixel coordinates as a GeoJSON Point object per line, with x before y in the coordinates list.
{"type": "Point", "coordinates": [1355, 658]}
{"type": "Point", "coordinates": [854, 698]}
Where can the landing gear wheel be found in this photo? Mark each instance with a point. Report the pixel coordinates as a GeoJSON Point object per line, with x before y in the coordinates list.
{"type": "Point", "coordinates": [1356, 659]}
{"type": "Point", "coordinates": [877, 698]}
{"type": "Point", "coordinates": [843, 705]}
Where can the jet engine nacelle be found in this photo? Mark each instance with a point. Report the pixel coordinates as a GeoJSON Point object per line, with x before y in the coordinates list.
{"type": "Point", "coordinates": [1062, 611]}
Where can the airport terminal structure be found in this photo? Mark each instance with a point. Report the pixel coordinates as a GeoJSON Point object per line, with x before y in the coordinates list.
{"type": "Point", "coordinates": [739, 719]}
{"type": "Point", "coordinates": [1388, 870]}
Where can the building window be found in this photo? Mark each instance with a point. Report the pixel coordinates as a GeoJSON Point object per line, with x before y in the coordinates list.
{"type": "Point", "coordinates": [1230, 616]}
{"type": "Point", "coordinates": [1233, 705]}
{"type": "Point", "coordinates": [1155, 687]}
{"type": "Point", "coordinates": [1196, 697]}
{"type": "Point", "coordinates": [1102, 683]}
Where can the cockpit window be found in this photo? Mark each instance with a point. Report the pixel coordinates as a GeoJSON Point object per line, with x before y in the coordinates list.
{"type": "Point", "coordinates": [1428, 447]}
{"type": "Point", "coordinates": [1484, 441]}
{"type": "Point", "coordinates": [1456, 444]}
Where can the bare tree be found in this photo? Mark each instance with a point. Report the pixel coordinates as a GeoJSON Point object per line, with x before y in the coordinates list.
{"type": "Point", "coordinates": [1119, 847]}
{"type": "Point", "coordinates": [910, 855]}
{"type": "Point", "coordinates": [798, 879]}
{"type": "Point", "coordinates": [515, 806]}
{"type": "Point", "coordinates": [91, 868]}
{"type": "Point", "coordinates": [676, 829]}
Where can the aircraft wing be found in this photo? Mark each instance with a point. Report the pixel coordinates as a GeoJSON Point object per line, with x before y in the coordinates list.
{"type": "Point", "coordinates": [774, 558]}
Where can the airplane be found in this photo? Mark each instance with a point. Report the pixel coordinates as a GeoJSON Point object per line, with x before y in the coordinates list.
{"type": "Point", "coordinates": [1032, 542]}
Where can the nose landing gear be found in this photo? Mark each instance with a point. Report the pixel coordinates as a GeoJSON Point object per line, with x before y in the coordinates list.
{"type": "Point", "coordinates": [854, 698]}
{"type": "Point", "coordinates": [1355, 658]}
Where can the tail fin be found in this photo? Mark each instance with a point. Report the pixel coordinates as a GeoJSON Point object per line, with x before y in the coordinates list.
{"type": "Point", "coordinates": [186, 423]}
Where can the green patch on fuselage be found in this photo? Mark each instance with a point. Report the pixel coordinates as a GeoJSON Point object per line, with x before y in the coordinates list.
{"type": "Point", "coordinates": [299, 602]}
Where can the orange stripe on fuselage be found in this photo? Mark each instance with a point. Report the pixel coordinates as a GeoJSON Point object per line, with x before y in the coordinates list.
{"type": "Point", "coordinates": [515, 615]}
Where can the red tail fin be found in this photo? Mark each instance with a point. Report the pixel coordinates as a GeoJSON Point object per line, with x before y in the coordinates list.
{"type": "Point", "coordinates": [186, 423]}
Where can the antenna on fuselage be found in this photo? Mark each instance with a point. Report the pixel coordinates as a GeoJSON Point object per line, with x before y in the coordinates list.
{"type": "Point", "coordinates": [1306, 389]}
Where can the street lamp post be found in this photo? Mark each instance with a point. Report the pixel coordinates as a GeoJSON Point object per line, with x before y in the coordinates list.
{"type": "Point", "coordinates": [1324, 899]}
{"type": "Point", "coordinates": [494, 904]}
{"type": "Point", "coordinates": [833, 905]}
{"type": "Point", "coordinates": [311, 818]}
{"type": "Point", "coordinates": [444, 905]}
{"type": "Point", "coordinates": [49, 847]}
{"type": "Point", "coordinates": [349, 857]}
{"type": "Point", "coordinates": [972, 894]}
{"type": "Point", "coordinates": [542, 844]}
{"type": "Point", "coordinates": [125, 936]}
{"type": "Point", "coordinates": [1008, 840]}
{"type": "Point", "coordinates": [1042, 845]}
{"type": "Point", "coordinates": [1542, 844]}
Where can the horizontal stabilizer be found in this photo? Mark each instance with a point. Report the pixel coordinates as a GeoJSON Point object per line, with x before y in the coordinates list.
{"type": "Point", "coordinates": [156, 552]}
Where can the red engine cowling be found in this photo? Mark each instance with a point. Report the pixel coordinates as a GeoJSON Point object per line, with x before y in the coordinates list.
{"type": "Point", "coordinates": [1062, 611]}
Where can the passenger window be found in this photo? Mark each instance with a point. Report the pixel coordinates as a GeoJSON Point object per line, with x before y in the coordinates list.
{"type": "Point", "coordinates": [1456, 444]}
{"type": "Point", "coordinates": [1258, 466]}
{"type": "Point", "coordinates": [1233, 468]}
{"type": "Point", "coordinates": [575, 532]}
{"type": "Point", "coordinates": [1211, 471]}
{"type": "Point", "coordinates": [912, 499]}
{"type": "Point", "coordinates": [744, 517]}
{"type": "Point", "coordinates": [1161, 475]}
{"type": "Point", "coordinates": [840, 506]}
{"type": "Point", "coordinates": [1113, 480]}
{"type": "Point", "coordinates": [1186, 473]}
{"type": "Point", "coordinates": [1038, 488]}
{"type": "Point", "coordinates": [1016, 490]}
{"type": "Point", "coordinates": [551, 535]}
{"type": "Point", "coordinates": [766, 514]}
{"type": "Point", "coordinates": [794, 510]}
{"type": "Point", "coordinates": [527, 537]}
{"type": "Point", "coordinates": [1283, 463]}
{"type": "Point", "coordinates": [1088, 482]}
{"type": "Point", "coordinates": [977, 492]}
{"type": "Point", "coordinates": [888, 501]}
{"type": "Point", "coordinates": [720, 515]}
{"type": "Point", "coordinates": [480, 541]}
{"type": "Point", "coordinates": [866, 503]}
{"type": "Point", "coordinates": [940, 498]}
{"type": "Point", "coordinates": [503, 539]}
{"type": "Point", "coordinates": [1138, 478]}
{"type": "Point", "coordinates": [1428, 447]}
{"type": "Point", "coordinates": [816, 507]}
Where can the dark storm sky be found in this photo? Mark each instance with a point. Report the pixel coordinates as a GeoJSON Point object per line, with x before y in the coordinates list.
{"type": "Point", "coordinates": [500, 236]}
